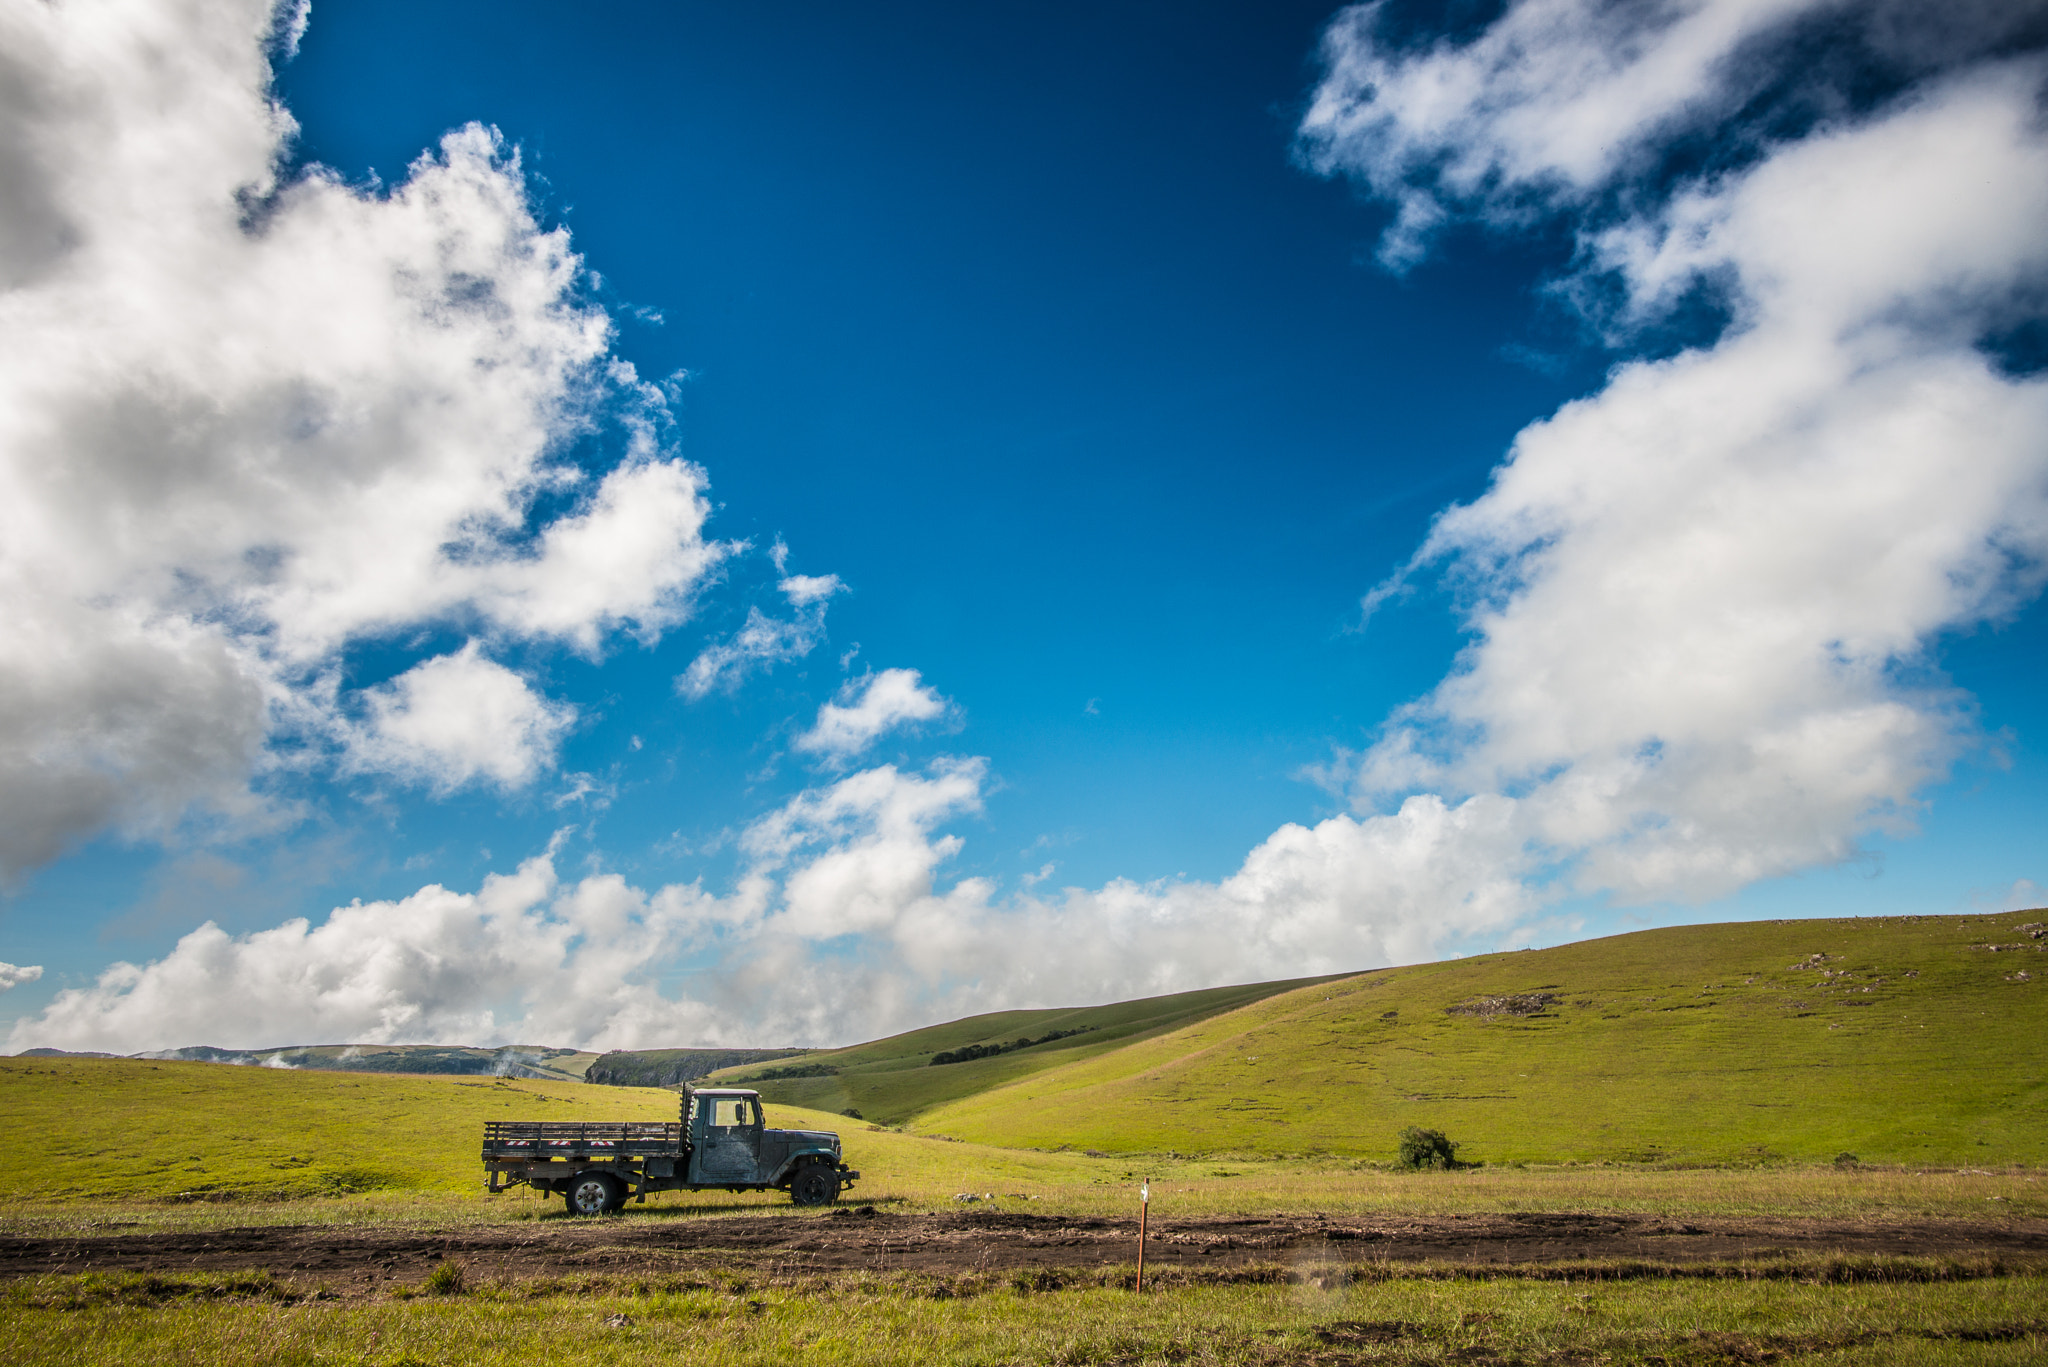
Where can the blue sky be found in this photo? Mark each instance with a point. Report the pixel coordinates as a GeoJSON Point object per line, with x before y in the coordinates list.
{"type": "Point", "coordinates": [1106, 359]}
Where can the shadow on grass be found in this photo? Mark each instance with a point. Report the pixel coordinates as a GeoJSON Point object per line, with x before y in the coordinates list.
{"type": "Point", "coordinates": [780, 1208]}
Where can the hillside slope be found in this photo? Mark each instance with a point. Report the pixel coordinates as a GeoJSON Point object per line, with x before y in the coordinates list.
{"type": "Point", "coordinates": [1896, 1039]}
{"type": "Point", "coordinates": [894, 1080]}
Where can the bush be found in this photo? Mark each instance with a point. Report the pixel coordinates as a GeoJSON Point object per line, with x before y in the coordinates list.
{"type": "Point", "coordinates": [1422, 1148]}
{"type": "Point", "coordinates": [451, 1278]}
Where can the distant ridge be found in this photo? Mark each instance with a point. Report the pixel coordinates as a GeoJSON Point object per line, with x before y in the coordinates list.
{"type": "Point", "coordinates": [512, 1060]}
{"type": "Point", "coordinates": [668, 1067]}
{"type": "Point", "coordinates": [616, 1068]}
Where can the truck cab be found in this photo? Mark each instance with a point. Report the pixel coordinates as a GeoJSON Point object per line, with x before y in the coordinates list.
{"type": "Point", "coordinates": [730, 1145]}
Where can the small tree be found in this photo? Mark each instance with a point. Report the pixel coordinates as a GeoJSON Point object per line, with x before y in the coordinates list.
{"type": "Point", "coordinates": [1422, 1148]}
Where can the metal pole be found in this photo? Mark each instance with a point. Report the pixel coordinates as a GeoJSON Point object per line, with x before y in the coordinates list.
{"type": "Point", "coordinates": [1144, 1205]}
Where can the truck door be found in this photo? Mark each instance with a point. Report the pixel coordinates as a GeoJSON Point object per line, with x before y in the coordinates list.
{"type": "Point", "coordinates": [728, 1138]}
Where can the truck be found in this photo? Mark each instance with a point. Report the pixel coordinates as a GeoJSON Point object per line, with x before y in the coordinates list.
{"type": "Point", "coordinates": [721, 1143]}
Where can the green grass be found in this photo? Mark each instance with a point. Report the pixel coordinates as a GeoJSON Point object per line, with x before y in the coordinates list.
{"type": "Point", "coordinates": [892, 1080]}
{"type": "Point", "coordinates": [1920, 1314]}
{"type": "Point", "coordinates": [1723, 1044]}
{"type": "Point", "coordinates": [100, 1143]}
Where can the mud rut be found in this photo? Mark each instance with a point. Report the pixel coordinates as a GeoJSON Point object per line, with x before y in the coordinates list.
{"type": "Point", "coordinates": [864, 1238]}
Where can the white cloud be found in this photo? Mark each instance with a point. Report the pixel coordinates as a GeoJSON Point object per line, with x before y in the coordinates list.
{"type": "Point", "coordinates": [521, 955]}
{"type": "Point", "coordinates": [456, 719]}
{"type": "Point", "coordinates": [1703, 600]}
{"type": "Point", "coordinates": [803, 590]}
{"type": "Point", "coordinates": [248, 419]}
{"type": "Point", "coordinates": [14, 975]}
{"type": "Point", "coordinates": [869, 708]}
{"type": "Point", "coordinates": [837, 928]}
{"type": "Point", "coordinates": [1562, 101]}
{"type": "Point", "coordinates": [764, 641]}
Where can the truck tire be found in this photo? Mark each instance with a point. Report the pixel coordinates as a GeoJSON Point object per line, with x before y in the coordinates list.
{"type": "Point", "coordinates": [594, 1193]}
{"type": "Point", "coordinates": [813, 1184]}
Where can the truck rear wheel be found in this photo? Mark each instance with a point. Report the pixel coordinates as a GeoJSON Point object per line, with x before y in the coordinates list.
{"type": "Point", "coordinates": [594, 1193]}
{"type": "Point", "coordinates": [814, 1184]}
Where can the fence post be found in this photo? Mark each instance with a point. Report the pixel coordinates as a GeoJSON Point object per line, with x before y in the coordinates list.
{"type": "Point", "coordinates": [1144, 1206]}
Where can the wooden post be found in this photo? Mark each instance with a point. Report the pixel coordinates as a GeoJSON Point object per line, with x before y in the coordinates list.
{"type": "Point", "coordinates": [1144, 1205]}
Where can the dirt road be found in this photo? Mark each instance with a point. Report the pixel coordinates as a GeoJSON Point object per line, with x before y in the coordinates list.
{"type": "Point", "coordinates": [980, 1240]}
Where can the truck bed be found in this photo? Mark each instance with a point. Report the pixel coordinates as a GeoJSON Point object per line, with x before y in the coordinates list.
{"type": "Point", "coordinates": [544, 1139]}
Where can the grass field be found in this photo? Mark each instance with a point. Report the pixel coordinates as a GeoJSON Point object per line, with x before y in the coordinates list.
{"type": "Point", "coordinates": [1901, 1313]}
{"type": "Point", "coordinates": [1898, 1040]}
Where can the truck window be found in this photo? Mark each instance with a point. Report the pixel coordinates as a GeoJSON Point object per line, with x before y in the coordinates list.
{"type": "Point", "coordinates": [730, 1111]}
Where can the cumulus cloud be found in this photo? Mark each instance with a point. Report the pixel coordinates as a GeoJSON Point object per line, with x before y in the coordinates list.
{"type": "Point", "coordinates": [458, 718]}
{"type": "Point", "coordinates": [522, 952]}
{"type": "Point", "coordinates": [869, 708]}
{"type": "Point", "coordinates": [1575, 103]}
{"type": "Point", "coordinates": [839, 926]}
{"type": "Point", "coordinates": [14, 975]}
{"type": "Point", "coordinates": [764, 641]}
{"type": "Point", "coordinates": [249, 417]}
{"type": "Point", "coordinates": [1703, 601]}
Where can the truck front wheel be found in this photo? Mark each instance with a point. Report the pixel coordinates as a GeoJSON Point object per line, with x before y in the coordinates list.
{"type": "Point", "coordinates": [594, 1193]}
{"type": "Point", "coordinates": [815, 1184]}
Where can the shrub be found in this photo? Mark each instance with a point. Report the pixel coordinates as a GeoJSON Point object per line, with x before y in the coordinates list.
{"type": "Point", "coordinates": [1422, 1148]}
{"type": "Point", "coordinates": [451, 1278]}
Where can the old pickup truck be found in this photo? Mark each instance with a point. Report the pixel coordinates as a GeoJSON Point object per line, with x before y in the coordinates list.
{"type": "Point", "coordinates": [721, 1143]}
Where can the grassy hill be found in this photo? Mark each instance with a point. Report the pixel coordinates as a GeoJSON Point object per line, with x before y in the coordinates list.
{"type": "Point", "coordinates": [1899, 1040]}
{"type": "Point", "coordinates": [894, 1080]}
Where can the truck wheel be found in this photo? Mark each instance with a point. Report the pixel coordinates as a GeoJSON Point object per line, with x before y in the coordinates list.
{"type": "Point", "coordinates": [594, 1193]}
{"type": "Point", "coordinates": [814, 1185]}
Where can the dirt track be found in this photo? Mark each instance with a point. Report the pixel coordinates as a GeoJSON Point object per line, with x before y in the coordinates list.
{"type": "Point", "coordinates": [861, 1238]}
